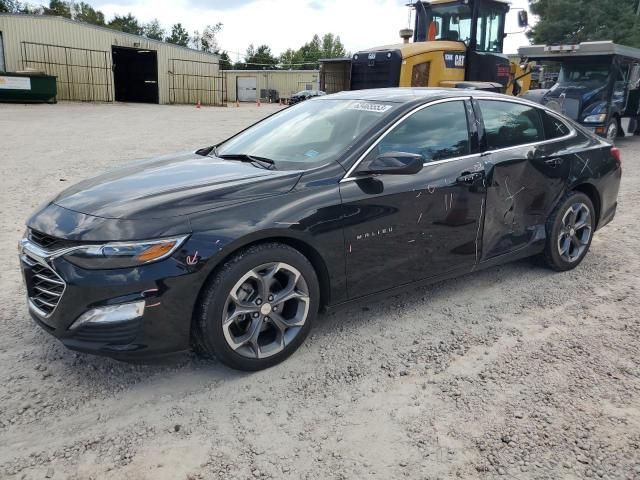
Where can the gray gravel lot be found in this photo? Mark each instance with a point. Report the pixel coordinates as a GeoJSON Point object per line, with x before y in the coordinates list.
{"type": "Point", "coordinates": [513, 372]}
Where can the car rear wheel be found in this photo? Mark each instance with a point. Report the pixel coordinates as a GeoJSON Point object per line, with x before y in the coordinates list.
{"type": "Point", "coordinates": [569, 232]}
{"type": "Point", "coordinates": [258, 308]}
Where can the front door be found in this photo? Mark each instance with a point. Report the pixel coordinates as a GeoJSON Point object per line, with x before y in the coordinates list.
{"type": "Point", "coordinates": [402, 228]}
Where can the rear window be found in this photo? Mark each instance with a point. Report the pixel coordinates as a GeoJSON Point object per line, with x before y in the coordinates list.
{"type": "Point", "coordinates": [553, 127]}
{"type": "Point", "coordinates": [510, 124]}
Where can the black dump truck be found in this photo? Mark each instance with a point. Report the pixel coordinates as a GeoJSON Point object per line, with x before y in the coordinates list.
{"type": "Point", "coordinates": [598, 84]}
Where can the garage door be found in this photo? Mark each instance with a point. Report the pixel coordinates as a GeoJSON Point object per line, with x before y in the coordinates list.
{"type": "Point", "coordinates": [246, 89]}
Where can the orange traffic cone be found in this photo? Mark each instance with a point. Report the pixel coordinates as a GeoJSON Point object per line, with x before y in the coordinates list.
{"type": "Point", "coordinates": [198, 105]}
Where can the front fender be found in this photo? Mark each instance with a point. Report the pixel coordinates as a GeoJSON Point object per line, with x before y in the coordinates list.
{"type": "Point", "coordinates": [310, 218]}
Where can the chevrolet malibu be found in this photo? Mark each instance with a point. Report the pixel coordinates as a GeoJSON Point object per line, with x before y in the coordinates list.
{"type": "Point", "coordinates": [233, 249]}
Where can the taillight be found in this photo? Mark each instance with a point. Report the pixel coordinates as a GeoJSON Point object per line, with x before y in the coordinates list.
{"type": "Point", "coordinates": [615, 153]}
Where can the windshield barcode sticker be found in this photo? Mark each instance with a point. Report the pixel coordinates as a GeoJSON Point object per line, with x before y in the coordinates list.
{"type": "Point", "coordinates": [369, 107]}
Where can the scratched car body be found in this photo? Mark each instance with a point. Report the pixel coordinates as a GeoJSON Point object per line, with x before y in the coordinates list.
{"type": "Point", "coordinates": [235, 248]}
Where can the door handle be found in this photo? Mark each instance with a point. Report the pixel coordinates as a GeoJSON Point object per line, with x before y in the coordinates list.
{"type": "Point", "coordinates": [469, 177]}
{"type": "Point", "coordinates": [553, 162]}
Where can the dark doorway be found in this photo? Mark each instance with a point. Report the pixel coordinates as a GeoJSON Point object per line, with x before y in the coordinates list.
{"type": "Point", "coordinates": [135, 75]}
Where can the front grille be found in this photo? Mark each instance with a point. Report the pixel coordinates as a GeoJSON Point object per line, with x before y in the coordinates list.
{"type": "Point", "coordinates": [46, 287]}
{"type": "Point", "coordinates": [380, 72]}
{"type": "Point", "coordinates": [49, 242]}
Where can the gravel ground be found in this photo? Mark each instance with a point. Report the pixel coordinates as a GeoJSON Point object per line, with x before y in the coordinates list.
{"type": "Point", "coordinates": [513, 372]}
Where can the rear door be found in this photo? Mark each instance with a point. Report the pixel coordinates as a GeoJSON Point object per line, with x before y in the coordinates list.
{"type": "Point", "coordinates": [528, 166]}
{"type": "Point", "coordinates": [402, 228]}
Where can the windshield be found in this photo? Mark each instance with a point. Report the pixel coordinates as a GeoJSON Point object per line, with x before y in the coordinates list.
{"type": "Point", "coordinates": [308, 134]}
{"type": "Point", "coordinates": [451, 22]}
{"type": "Point", "coordinates": [592, 74]}
{"type": "Point", "coordinates": [454, 22]}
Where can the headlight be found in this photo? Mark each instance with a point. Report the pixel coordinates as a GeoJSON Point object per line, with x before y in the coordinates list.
{"type": "Point", "coordinates": [600, 118]}
{"type": "Point", "coordinates": [124, 254]}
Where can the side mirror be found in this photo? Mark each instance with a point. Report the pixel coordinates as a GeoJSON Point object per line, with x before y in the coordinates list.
{"type": "Point", "coordinates": [523, 19]}
{"type": "Point", "coordinates": [394, 163]}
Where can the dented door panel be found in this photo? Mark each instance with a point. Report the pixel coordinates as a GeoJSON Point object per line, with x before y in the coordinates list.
{"type": "Point", "coordinates": [523, 186]}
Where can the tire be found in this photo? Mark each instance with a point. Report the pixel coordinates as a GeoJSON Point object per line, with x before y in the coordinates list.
{"type": "Point", "coordinates": [613, 130]}
{"type": "Point", "coordinates": [566, 245]}
{"type": "Point", "coordinates": [245, 332]}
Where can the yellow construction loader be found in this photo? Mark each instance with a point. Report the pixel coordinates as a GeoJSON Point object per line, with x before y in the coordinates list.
{"type": "Point", "coordinates": [456, 43]}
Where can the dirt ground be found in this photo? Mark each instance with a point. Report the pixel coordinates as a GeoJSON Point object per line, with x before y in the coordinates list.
{"type": "Point", "coordinates": [513, 372]}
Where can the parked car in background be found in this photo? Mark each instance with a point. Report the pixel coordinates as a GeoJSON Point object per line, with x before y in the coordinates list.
{"type": "Point", "coordinates": [305, 95]}
{"type": "Point", "coordinates": [234, 248]}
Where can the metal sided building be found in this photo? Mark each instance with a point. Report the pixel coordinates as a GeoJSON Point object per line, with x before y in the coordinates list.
{"type": "Point", "coordinates": [98, 64]}
{"type": "Point", "coordinates": [249, 85]}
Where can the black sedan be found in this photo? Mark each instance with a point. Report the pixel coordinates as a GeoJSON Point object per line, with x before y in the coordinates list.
{"type": "Point", "coordinates": [305, 95]}
{"type": "Point", "coordinates": [234, 249]}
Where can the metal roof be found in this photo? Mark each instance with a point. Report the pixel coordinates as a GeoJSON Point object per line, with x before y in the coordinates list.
{"type": "Point", "coordinates": [334, 60]}
{"type": "Point", "coordinates": [272, 70]}
{"type": "Point", "coordinates": [100, 27]}
{"type": "Point", "coordinates": [583, 49]}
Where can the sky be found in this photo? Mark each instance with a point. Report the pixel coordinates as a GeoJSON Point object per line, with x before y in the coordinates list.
{"type": "Point", "coordinates": [283, 24]}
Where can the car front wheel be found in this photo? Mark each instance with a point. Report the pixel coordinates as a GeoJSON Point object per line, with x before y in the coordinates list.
{"type": "Point", "coordinates": [258, 308]}
{"type": "Point", "coordinates": [569, 232]}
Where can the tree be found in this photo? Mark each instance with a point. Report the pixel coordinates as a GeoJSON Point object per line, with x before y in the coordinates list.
{"type": "Point", "coordinates": [154, 30]}
{"type": "Point", "coordinates": [574, 21]}
{"type": "Point", "coordinates": [179, 35]}
{"type": "Point", "coordinates": [307, 56]}
{"type": "Point", "coordinates": [127, 24]}
{"type": "Point", "coordinates": [207, 40]}
{"type": "Point", "coordinates": [332, 47]}
{"type": "Point", "coordinates": [260, 58]}
{"type": "Point", "coordinates": [58, 8]}
{"type": "Point", "coordinates": [14, 6]}
{"type": "Point", "coordinates": [7, 6]}
{"type": "Point", "coordinates": [83, 12]}
{"type": "Point", "coordinates": [225, 61]}
{"type": "Point", "coordinates": [291, 58]}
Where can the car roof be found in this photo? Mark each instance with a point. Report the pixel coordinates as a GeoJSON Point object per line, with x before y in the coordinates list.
{"type": "Point", "coordinates": [411, 94]}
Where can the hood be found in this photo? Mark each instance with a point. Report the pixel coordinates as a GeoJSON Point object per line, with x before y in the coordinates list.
{"type": "Point", "coordinates": [173, 186]}
{"type": "Point", "coordinates": [574, 99]}
{"type": "Point", "coordinates": [576, 90]}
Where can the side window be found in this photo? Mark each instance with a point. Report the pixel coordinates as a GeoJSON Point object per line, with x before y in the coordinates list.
{"type": "Point", "coordinates": [437, 132]}
{"type": "Point", "coordinates": [509, 124]}
{"type": "Point", "coordinates": [553, 128]}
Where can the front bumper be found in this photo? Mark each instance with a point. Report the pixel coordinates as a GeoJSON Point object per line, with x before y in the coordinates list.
{"type": "Point", "coordinates": [166, 290]}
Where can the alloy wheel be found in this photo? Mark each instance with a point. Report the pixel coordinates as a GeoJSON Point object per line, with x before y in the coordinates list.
{"type": "Point", "coordinates": [575, 232]}
{"type": "Point", "coordinates": [265, 310]}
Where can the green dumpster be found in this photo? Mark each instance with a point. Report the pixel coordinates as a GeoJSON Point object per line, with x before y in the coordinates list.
{"type": "Point", "coordinates": [27, 88]}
